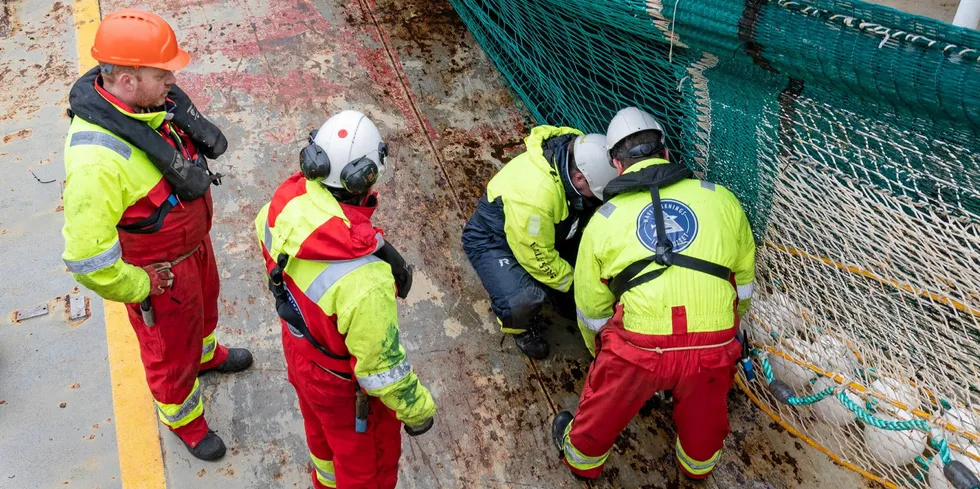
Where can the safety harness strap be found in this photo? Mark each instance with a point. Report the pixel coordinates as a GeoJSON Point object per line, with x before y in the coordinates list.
{"type": "Point", "coordinates": [190, 179]}
{"type": "Point", "coordinates": [288, 310]}
{"type": "Point", "coordinates": [664, 256]}
{"type": "Point", "coordinates": [286, 306]}
{"type": "Point", "coordinates": [153, 223]}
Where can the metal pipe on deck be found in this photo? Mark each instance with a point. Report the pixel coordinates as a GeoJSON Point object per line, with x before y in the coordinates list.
{"type": "Point", "coordinates": [967, 14]}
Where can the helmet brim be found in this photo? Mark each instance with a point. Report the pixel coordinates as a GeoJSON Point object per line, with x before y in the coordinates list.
{"type": "Point", "coordinates": [179, 62]}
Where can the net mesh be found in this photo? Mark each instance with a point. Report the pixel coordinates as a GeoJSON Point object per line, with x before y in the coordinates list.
{"type": "Point", "coordinates": [849, 133]}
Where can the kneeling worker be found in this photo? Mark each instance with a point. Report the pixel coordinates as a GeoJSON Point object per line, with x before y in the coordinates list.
{"type": "Point", "coordinates": [679, 259]}
{"type": "Point", "coordinates": [335, 279]}
{"type": "Point", "coordinates": [525, 230]}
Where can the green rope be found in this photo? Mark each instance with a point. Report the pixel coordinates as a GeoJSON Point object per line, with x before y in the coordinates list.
{"type": "Point", "coordinates": [939, 443]}
{"type": "Point", "coordinates": [766, 366]}
{"type": "Point", "coordinates": [884, 424]}
{"type": "Point", "coordinates": [804, 401]}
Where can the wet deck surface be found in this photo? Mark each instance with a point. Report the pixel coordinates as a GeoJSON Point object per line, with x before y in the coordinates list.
{"type": "Point", "coordinates": [267, 72]}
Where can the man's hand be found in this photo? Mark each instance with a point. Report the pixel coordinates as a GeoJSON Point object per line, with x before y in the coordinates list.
{"type": "Point", "coordinates": [161, 277]}
{"type": "Point", "coordinates": [420, 429]}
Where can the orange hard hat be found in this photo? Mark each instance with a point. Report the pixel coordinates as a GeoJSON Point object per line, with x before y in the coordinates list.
{"type": "Point", "coordinates": [133, 37]}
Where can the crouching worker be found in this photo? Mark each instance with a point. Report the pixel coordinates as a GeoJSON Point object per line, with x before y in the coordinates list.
{"type": "Point", "coordinates": [523, 237]}
{"type": "Point", "coordinates": [335, 279]}
{"type": "Point", "coordinates": [664, 272]}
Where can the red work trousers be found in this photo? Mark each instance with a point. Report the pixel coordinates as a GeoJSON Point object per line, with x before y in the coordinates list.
{"type": "Point", "coordinates": [366, 460]}
{"type": "Point", "coordinates": [173, 349]}
{"type": "Point", "coordinates": [622, 378]}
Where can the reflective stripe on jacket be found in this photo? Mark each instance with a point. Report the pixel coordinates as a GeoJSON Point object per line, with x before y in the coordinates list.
{"type": "Point", "coordinates": [345, 294]}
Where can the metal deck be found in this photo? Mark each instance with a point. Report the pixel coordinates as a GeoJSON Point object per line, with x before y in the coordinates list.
{"type": "Point", "coordinates": [267, 72]}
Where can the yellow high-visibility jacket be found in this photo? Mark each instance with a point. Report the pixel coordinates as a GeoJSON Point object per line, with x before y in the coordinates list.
{"type": "Point", "coordinates": [703, 220]}
{"type": "Point", "coordinates": [534, 202]}
{"type": "Point", "coordinates": [351, 293]}
{"type": "Point", "coordinates": [111, 182]}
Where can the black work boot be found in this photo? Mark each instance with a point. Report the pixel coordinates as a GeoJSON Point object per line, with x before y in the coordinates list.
{"type": "Point", "coordinates": [532, 344]}
{"type": "Point", "coordinates": [558, 426]}
{"type": "Point", "coordinates": [210, 448]}
{"type": "Point", "coordinates": [238, 359]}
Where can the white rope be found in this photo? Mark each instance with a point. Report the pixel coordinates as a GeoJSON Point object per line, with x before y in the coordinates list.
{"type": "Point", "coordinates": [673, 22]}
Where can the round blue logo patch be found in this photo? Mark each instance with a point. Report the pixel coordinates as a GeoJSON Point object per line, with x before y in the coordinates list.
{"type": "Point", "coordinates": [679, 221]}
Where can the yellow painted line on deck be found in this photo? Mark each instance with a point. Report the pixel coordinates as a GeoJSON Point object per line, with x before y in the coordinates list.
{"type": "Point", "coordinates": [86, 23]}
{"type": "Point", "coordinates": [137, 435]}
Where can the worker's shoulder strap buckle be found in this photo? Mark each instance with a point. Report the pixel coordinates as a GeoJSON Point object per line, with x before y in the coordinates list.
{"type": "Point", "coordinates": [664, 253]}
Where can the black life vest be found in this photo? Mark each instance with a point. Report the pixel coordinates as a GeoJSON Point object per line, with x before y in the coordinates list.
{"type": "Point", "coordinates": [190, 179]}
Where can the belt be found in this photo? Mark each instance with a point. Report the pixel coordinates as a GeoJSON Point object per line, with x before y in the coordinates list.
{"type": "Point", "coordinates": [681, 348]}
{"type": "Point", "coordinates": [340, 375]}
{"type": "Point", "coordinates": [184, 256]}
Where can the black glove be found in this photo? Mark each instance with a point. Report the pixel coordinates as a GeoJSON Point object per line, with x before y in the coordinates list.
{"type": "Point", "coordinates": [418, 430]}
{"type": "Point", "coordinates": [399, 268]}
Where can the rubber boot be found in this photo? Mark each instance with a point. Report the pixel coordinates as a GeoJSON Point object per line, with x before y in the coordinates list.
{"type": "Point", "coordinates": [238, 359]}
{"type": "Point", "coordinates": [558, 427]}
{"type": "Point", "coordinates": [210, 448]}
{"type": "Point", "coordinates": [532, 344]}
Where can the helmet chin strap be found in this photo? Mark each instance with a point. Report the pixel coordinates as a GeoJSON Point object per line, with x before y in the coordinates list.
{"type": "Point", "coordinates": [344, 196]}
{"type": "Point", "coordinates": [575, 198]}
{"type": "Point", "coordinates": [568, 174]}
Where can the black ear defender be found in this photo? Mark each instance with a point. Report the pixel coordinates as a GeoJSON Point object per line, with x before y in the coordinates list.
{"type": "Point", "coordinates": [641, 150]}
{"type": "Point", "coordinates": [646, 149]}
{"type": "Point", "coordinates": [313, 160]}
{"type": "Point", "coordinates": [361, 174]}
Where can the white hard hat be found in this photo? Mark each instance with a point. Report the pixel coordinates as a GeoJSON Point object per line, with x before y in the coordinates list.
{"type": "Point", "coordinates": [631, 120]}
{"type": "Point", "coordinates": [347, 152]}
{"type": "Point", "coordinates": [593, 161]}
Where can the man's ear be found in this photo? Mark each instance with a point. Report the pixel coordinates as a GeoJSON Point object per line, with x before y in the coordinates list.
{"type": "Point", "coordinates": [127, 80]}
{"type": "Point", "coordinates": [581, 183]}
{"type": "Point", "coordinates": [618, 166]}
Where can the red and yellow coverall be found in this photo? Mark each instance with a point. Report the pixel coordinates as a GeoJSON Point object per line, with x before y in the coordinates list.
{"type": "Point", "coordinates": [676, 332]}
{"type": "Point", "coordinates": [346, 296]}
{"type": "Point", "coordinates": [111, 184]}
